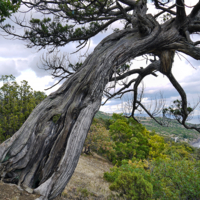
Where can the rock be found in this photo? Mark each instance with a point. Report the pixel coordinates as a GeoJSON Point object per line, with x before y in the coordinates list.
{"type": "Point", "coordinates": [29, 190]}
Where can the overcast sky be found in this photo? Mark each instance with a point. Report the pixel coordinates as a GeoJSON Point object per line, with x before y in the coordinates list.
{"type": "Point", "coordinates": [25, 64]}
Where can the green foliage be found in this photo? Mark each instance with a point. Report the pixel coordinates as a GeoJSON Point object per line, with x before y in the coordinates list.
{"type": "Point", "coordinates": [98, 140]}
{"type": "Point", "coordinates": [179, 150]}
{"type": "Point", "coordinates": [104, 118]}
{"type": "Point", "coordinates": [176, 109]}
{"type": "Point", "coordinates": [161, 148]}
{"type": "Point", "coordinates": [8, 7]}
{"type": "Point", "coordinates": [130, 182]}
{"type": "Point", "coordinates": [197, 154]}
{"type": "Point", "coordinates": [147, 165]}
{"type": "Point", "coordinates": [102, 115]}
{"type": "Point", "coordinates": [167, 170]}
{"type": "Point", "coordinates": [130, 139]}
{"type": "Point", "coordinates": [50, 32]}
{"type": "Point", "coordinates": [38, 96]}
{"type": "Point", "coordinates": [56, 118]}
{"type": "Point", "coordinates": [157, 146]}
{"type": "Point", "coordinates": [176, 179]}
{"type": "Point", "coordinates": [90, 18]}
{"type": "Point", "coordinates": [16, 103]}
{"type": "Point", "coordinates": [161, 179]}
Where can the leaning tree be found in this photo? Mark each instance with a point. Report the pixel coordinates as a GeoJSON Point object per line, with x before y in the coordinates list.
{"type": "Point", "coordinates": [43, 154]}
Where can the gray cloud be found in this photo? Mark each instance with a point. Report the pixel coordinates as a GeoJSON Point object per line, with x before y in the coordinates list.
{"type": "Point", "coordinates": [22, 64]}
{"type": "Point", "coordinates": [36, 65]}
{"type": "Point", "coordinates": [14, 49]}
{"type": "Point", "coordinates": [114, 102]}
{"type": "Point", "coordinates": [192, 62]}
{"type": "Point", "coordinates": [9, 67]}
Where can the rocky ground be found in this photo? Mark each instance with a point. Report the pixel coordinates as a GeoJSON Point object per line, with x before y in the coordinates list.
{"type": "Point", "coordinates": [87, 183]}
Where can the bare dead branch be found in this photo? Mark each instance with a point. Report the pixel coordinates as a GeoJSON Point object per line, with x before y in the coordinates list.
{"type": "Point", "coordinates": [127, 17]}
{"type": "Point", "coordinates": [119, 92]}
{"type": "Point", "coordinates": [158, 6]}
{"type": "Point", "coordinates": [150, 114]}
{"type": "Point", "coordinates": [183, 112]}
{"type": "Point", "coordinates": [162, 12]}
{"type": "Point", "coordinates": [195, 10]}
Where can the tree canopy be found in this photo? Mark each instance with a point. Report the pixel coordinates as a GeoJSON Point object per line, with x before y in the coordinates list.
{"type": "Point", "coordinates": [8, 7]}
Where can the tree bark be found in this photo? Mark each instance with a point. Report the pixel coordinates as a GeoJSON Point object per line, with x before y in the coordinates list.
{"type": "Point", "coordinates": [43, 154]}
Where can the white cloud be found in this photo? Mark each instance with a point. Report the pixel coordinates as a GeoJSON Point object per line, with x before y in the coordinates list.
{"type": "Point", "coordinates": [111, 109]}
{"type": "Point", "coordinates": [37, 83]}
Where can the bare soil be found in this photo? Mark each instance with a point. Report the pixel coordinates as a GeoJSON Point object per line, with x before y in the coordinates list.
{"type": "Point", "coordinates": [12, 192]}
{"type": "Point", "coordinates": [87, 183]}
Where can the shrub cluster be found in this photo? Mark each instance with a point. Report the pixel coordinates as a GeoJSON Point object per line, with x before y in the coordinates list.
{"type": "Point", "coordinates": [147, 165]}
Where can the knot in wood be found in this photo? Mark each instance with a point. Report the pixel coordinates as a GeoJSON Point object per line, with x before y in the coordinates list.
{"type": "Point", "coordinates": [167, 59]}
{"type": "Point", "coordinates": [145, 25]}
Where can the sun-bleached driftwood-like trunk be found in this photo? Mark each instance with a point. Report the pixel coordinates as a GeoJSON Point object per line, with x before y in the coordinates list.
{"type": "Point", "coordinates": [43, 154]}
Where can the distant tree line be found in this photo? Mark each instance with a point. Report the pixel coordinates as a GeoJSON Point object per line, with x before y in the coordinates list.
{"type": "Point", "coordinates": [16, 103]}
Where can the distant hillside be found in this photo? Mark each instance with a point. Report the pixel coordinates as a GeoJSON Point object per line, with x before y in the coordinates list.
{"type": "Point", "coordinates": [174, 129]}
{"type": "Point", "coordinates": [103, 115]}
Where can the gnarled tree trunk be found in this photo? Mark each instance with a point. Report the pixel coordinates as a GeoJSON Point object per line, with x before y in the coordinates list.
{"type": "Point", "coordinates": [43, 154]}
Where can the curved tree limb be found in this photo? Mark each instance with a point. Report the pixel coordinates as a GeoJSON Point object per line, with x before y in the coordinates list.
{"type": "Point", "coordinates": [195, 10]}
{"type": "Point", "coordinates": [134, 71]}
{"type": "Point", "coordinates": [148, 70]}
{"type": "Point", "coordinates": [184, 112]}
{"type": "Point", "coordinates": [185, 47]}
{"type": "Point", "coordinates": [182, 94]}
{"type": "Point", "coordinates": [180, 10]}
{"type": "Point", "coordinates": [158, 6]}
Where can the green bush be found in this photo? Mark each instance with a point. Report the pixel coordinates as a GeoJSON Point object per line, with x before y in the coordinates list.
{"type": "Point", "coordinates": [98, 140]}
{"type": "Point", "coordinates": [131, 182]}
{"type": "Point", "coordinates": [130, 139]}
{"type": "Point", "coordinates": [162, 179]}
{"type": "Point", "coordinates": [176, 179]}
{"type": "Point", "coordinates": [149, 166]}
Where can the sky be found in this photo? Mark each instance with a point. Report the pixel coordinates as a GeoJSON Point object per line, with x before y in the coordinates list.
{"type": "Point", "coordinates": [25, 64]}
